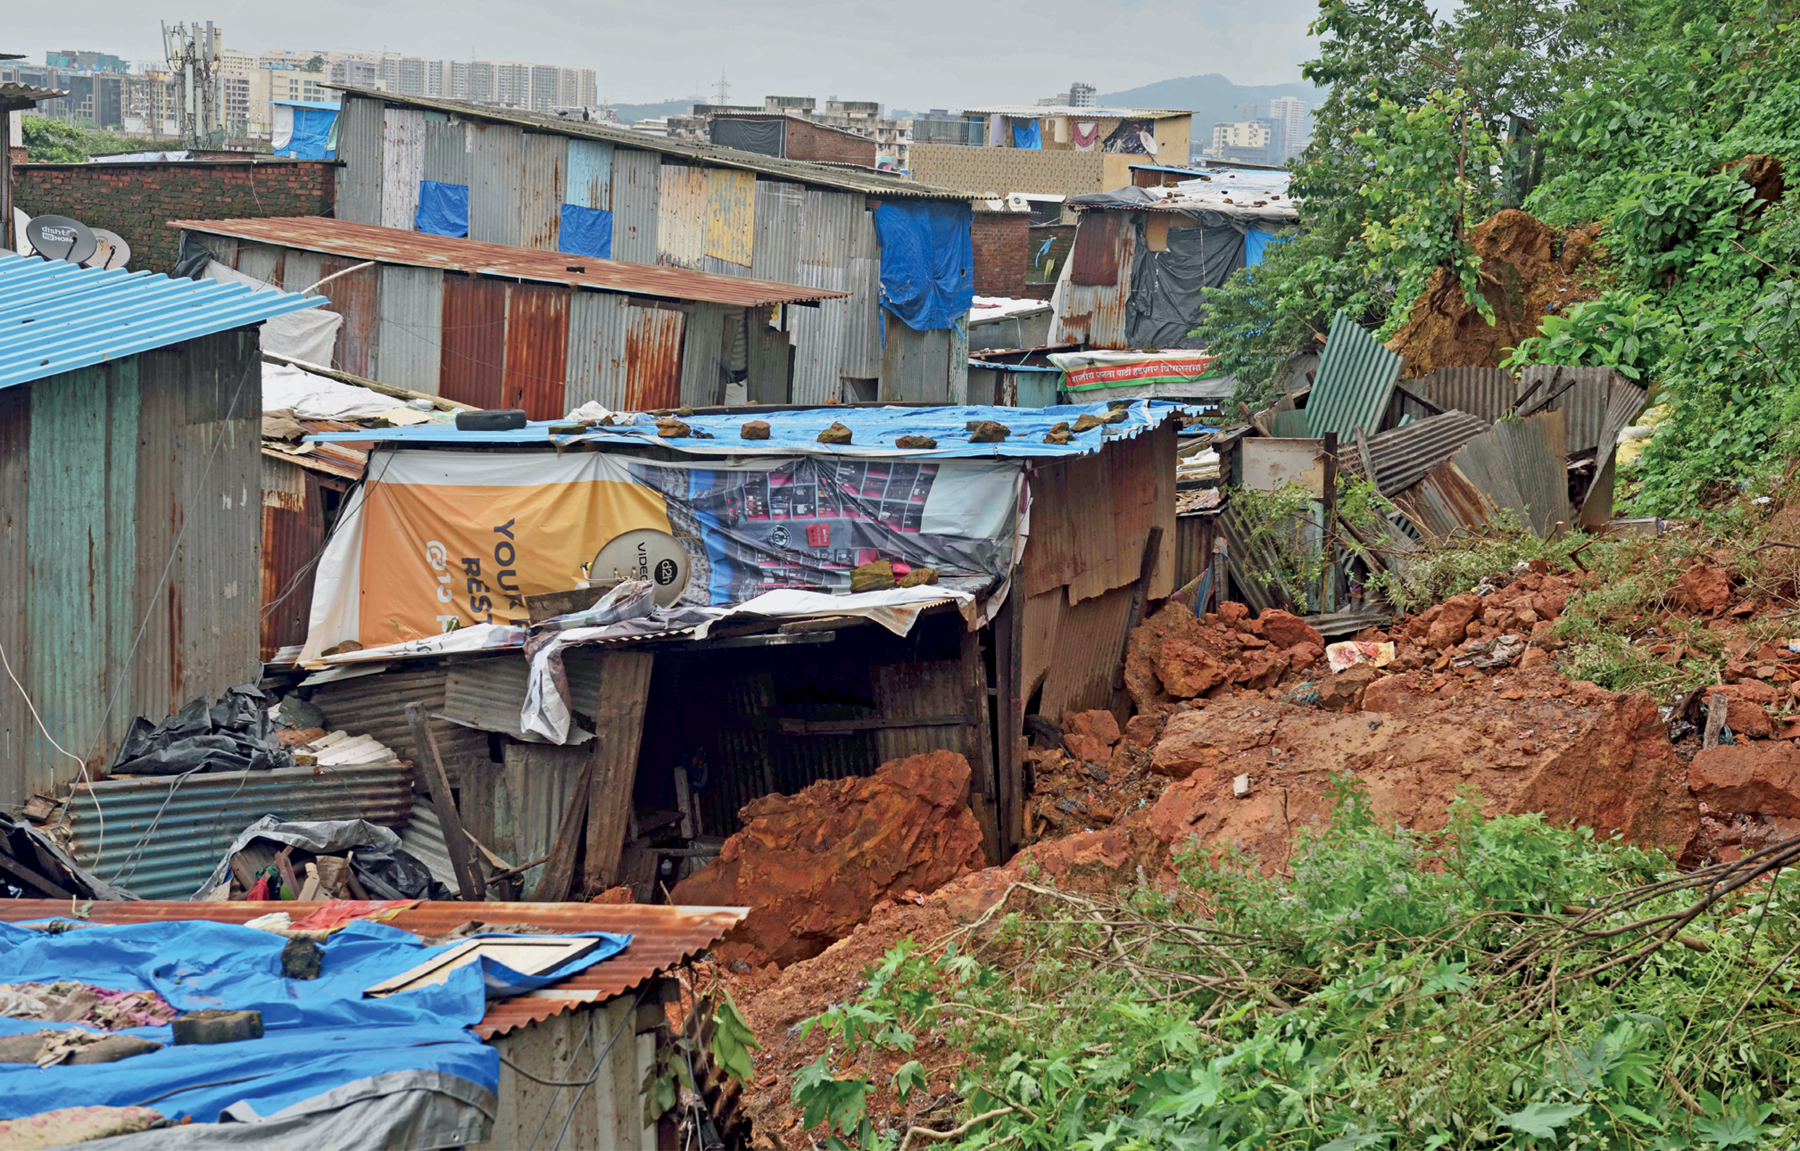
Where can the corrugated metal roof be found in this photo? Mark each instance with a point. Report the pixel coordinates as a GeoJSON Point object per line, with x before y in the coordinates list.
{"type": "Point", "coordinates": [56, 316]}
{"type": "Point", "coordinates": [1403, 456]}
{"type": "Point", "coordinates": [662, 937]}
{"type": "Point", "coordinates": [1485, 392]}
{"type": "Point", "coordinates": [396, 246]}
{"type": "Point", "coordinates": [795, 431]}
{"type": "Point", "coordinates": [14, 95]}
{"type": "Point", "coordinates": [842, 179]}
{"type": "Point", "coordinates": [1356, 379]}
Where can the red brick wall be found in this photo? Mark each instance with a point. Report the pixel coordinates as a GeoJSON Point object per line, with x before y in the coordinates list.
{"type": "Point", "coordinates": [806, 141]}
{"type": "Point", "coordinates": [138, 200]}
{"type": "Point", "coordinates": [1001, 252]}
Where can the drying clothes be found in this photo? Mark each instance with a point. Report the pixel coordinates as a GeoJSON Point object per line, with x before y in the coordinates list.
{"type": "Point", "coordinates": [443, 209]}
{"type": "Point", "coordinates": [1085, 135]}
{"type": "Point", "coordinates": [1028, 135]}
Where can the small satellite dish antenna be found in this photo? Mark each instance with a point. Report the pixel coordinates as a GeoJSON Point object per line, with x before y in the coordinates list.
{"type": "Point", "coordinates": [60, 238]}
{"type": "Point", "coordinates": [111, 250]}
{"type": "Point", "coordinates": [645, 553]}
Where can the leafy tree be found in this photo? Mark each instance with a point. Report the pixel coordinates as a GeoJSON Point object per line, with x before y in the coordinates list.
{"type": "Point", "coordinates": [59, 142]}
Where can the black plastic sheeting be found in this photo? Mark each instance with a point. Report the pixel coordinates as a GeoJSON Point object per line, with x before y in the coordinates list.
{"type": "Point", "coordinates": [767, 137]}
{"type": "Point", "coordinates": [1166, 298]}
{"type": "Point", "coordinates": [235, 734]}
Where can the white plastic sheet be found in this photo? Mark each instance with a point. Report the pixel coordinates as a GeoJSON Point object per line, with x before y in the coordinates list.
{"type": "Point", "coordinates": [310, 335]}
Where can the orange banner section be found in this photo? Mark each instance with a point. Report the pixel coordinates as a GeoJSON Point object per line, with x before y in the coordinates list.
{"type": "Point", "coordinates": [437, 555]}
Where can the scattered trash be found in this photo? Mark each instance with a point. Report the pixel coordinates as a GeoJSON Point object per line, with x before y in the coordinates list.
{"type": "Point", "coordinates": [1349, 653]}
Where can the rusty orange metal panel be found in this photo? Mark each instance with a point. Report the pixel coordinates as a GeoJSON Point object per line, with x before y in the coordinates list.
{"type": "Point", "coordinates": [292, 539]}
{"type": "Point", "coordinates": [662, 937]}
{"type": "Point", "coordinates": [653, 358]}
{"type": "Point", "coordinates": [474, 362]}
{"type": "Point", "coordinates": [354, 296]}
{"type": "Point", "coordinates": [730, 214]}
{"type": "Point", "coordinates": [537, 349]}
{"type": "Point", "coordinates": [396, 246]}
{"type": "Point", "coordinates": [1096, 254]}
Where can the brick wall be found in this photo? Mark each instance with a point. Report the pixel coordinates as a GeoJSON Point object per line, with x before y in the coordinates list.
{"type": "Point", "coordinates": [998, 171]}
{"type": "Point", "coordinates": [807, 141]}
{"type": "Point", "coordinates": [138, 200]}
{"type": "Point", "coordinates": [1001, 252]}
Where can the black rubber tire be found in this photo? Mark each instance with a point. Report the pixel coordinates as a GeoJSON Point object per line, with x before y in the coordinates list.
{"type": "Point", "coordinates": [491, 420]}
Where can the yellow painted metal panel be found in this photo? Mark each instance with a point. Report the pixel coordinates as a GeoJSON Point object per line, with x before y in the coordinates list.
{"type": "Point", "coordinates": [730, 214]}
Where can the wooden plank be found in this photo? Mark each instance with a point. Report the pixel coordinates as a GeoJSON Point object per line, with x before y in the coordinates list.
{"type": "Point", "coordinates": [1009, 709]}
{"type": "Point", "coordinates": [1152, 548]}
{"type": "Point", "coordinates": [871, 723]}
{"type": "Point", "coordinates": [624, 695]}
{"type": "Point", "coordinates": [456, 841]}
{"type": "Point", "coordinates": [978, 741]}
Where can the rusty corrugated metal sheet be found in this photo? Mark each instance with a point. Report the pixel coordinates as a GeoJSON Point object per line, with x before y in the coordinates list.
{"type": "Point", "coordinates": [474, 354]}
{"type": "Point", "coordinates": [1485, 392]}
{"type": "Point", "coordinates": [446, 152]}
{"type": "Point", "coordinates": [541, 194]}
{"type": "Point", "coordinates": [596, 368]}
{"type": "Point", "coordinates": [1581, 394]}
{"type": "Point", "coordinates": [375, 705]}
{"type": "Point", "coordinates": [394, 246]}
{"type": "Point", "coordinates": [1096, 252]}
{"type": "Point", "coordinates": [703, 356]}
{"type": "Point", "coordinates": [681, 217]}
{"type": "Point", "coordinates": [496, 177]}
{"type": "Point", "coordinates": [653, 338]}
{"type": "Point", "coordinates": [1404, 455]}
{"type": "Point", "coordinates": [1094, 314]}
{"type": "Point", "coordinates": [293, 534]}
{"type": "Point", "coordinates": [1443, 503]}
{"type": "Point", "coordinates": [730, 215]}
{"type": "Point", "coordinates": [537, 350]}
{"type": "Point", "coordinates": [930, 689]}
{"type": "Point", "coordinates": [410, 351]}
{"type": "Point", "coordinates": [662, 937]}
{"type": "Point", "coordinates": [357, 297]}
{"type": "Point", "coordinates": [1086, 642]}
{"type": "Point", "coordinates": [1534, 452]}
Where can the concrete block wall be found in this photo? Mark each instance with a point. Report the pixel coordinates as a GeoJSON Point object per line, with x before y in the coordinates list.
{"type": "Point", "coordinates": [138, 200]}
{"type": "Point", "coordinates": [998, 171]}
{"type": "Point", "coordinates": [1001, 242]}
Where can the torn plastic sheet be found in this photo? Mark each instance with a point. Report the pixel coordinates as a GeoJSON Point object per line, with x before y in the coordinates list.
{"type": "Point", "coordinates": [481, 637]}
{"type": "Point", "coordinates": [547, 711]}
{"type": "Point", "coordinates": [235, 734]}
{"type": "Point", "coordinates": [319, 836]}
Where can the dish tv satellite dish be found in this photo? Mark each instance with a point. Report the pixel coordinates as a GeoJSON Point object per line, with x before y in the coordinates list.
{"type": "Point", "coordinates": [111, 250]}
{"type": "Point", "coordinates": [60, 238]}
{"type": "Point", "coordinates": [645, 553]}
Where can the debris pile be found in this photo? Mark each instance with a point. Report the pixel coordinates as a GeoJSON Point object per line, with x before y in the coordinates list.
{"type": "Point", "coordinates": [811, 865]}
{"type": "Point", "coordinates": [235, 734]}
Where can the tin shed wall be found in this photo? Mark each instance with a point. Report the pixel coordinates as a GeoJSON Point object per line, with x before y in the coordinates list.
{"type": "Point", "coordinates": [1094, 314]}
{"type": "Point", "coordinates": [293, 535]}
{"type": "Point", "coordinates": [446, 152]}
{"type": "Point", "coordinates": [703, 354]}
{"type": "Point", "coordinates": [356, 296]}
{"type": "Point", "coordinates": [653, 358]}
{"type": "Point", "coordinates": [588, 183]}
{"type": "Point", "coordinates": [403, 165]}
{"type": "Point", "coordinates": [596, 363]}
{"type": "Point", "coordinates": [730, 215]}
{"type": "Point", "coordinates": [537, 349]}
{"type": "Point", "coordinates": [541, 196]}
{"type": "Point", "coordinates": [636, 175]}
{"type": "Point", "coordinates": [775, 254]}
{"type": "Point", "coordinates": [410, 346]}
{"type": "Point", "coordinates": [607, 1113]}
{"type": "Point", "coordinates": [17, 729]}
{"type": "Point", "coordinates": [360, 130]}
{"type": "Point", "coordinates": [681, 217]}
{"type": "Point", "coordinates": [496, 179]}
{"type": "Point", "coordinates": [474, 340]}
{"type": "Point", "coordinates": [263, 261]}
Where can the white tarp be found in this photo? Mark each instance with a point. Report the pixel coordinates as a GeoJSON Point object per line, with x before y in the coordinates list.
{"type": "Point", "coordinates": [314, 397]}
{"type": "Point", "coordinates": [308, 335]}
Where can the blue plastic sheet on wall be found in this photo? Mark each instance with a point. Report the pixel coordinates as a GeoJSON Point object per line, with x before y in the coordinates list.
{"type": "Point", "coordinates": [1028, 135]}
{"type": "Point", "coordinates": [1256, 241]}
{"type": "Point", "coordinates": [312, 134]}
{"type": "Point", "coordinates": [927, 262]}
{"type": "Point", "coordinates": [443, 209]}
{"type": "Point", "coordinates": [585, 232]}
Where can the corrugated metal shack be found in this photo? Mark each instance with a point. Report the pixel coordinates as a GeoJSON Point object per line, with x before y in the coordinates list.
{"type": "Point", "coordinates": [692, 729]}
{"type": "Point", "coordinates": [606, 1026]}
{"type": "Point", "coordinates": [503, 327]}
{"type": "Point", "coordinates": [130, 509]}
{"type": "Point", "coordinates": [672, 202]}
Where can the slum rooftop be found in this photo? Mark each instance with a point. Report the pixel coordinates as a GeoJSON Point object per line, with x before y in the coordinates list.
{"type": "Point", "coordinates": [795, 431]}
{"type": "Point", "coordinates": [839, 178]}
{"type": "Point", "coordinates": [1023, 111]}
{"type": "Point", "coordinates": [453, 254]}
{"type": "Point", "coordinates": [56, 316]}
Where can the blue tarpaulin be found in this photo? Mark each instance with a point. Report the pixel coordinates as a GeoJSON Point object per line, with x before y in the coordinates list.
{"type": "Point", "coordinates": [304, 130]}
{"type": "Point", "coordinates": [1028, 135]}
{"type": "Point", "coordinates": [585, 232]}
{"type": "Point", "coordinates": [318, 1034]}
{"type": "Point", "coordinates": [927, 262]}
{"type": "Point", "coordinates": [1255, 242]}
{"type": "Point", "coordinates": [443, 209]}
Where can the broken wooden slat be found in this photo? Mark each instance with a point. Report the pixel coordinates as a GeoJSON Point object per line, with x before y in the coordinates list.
{"type": "Point", "coordinates": [559, 870]}
{"type": "Point", "coordinates": [456, 842]}
{"type": "Point", "coordinates": [618, 733]}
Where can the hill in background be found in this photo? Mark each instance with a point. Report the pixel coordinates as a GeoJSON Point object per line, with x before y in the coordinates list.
{"type": "Point", "coordinates": [1211, 98]}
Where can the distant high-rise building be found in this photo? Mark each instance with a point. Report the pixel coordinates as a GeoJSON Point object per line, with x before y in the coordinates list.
{"type": "Point", "coordinates": [1081, 95]}
{"type": "Point", "coordinates": [1290, 113]}
{"type": "Point", "coordinates": [1247, 141]}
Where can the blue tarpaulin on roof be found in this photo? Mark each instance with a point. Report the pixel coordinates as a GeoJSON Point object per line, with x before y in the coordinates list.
{"type": "Point", "coordinates": [585, 232]}
{"type": "Point", "coordinates": [318, 1034]}
{"type": "Point", "coordinates": [927, 262]}
{"type": "Point", "coordinates": [1028, 135]}
{"type": "Point", "coordinates": [443, 209]}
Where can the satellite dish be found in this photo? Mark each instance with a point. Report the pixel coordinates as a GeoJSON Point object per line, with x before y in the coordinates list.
{"type": "Point", "coordinates": [111, 250]}
{"type": "Point", "coordinates": [60, 238]}
{"type": "Point", "coordinates": [645, 553]}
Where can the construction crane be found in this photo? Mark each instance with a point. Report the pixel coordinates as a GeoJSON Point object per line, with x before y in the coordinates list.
{"type": "Point", "coordinates": [1247, 108]}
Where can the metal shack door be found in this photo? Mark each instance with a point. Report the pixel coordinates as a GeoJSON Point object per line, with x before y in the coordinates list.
{"type": "Point", "coordinates": [653, 338]}
{"type": "Point", "coordinates": [474, 340]}
{"type": "Point", "coordinates": [537, 350]}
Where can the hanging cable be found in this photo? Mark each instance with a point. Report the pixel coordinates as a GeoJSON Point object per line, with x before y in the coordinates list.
{"type": "Point", "coordinates": [80, 764]}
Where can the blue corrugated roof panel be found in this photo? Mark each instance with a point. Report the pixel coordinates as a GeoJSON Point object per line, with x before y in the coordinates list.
{"type": "Point", "coordinates": [796, 432]}
{"type": "Point", "coordinates": [56, 316]}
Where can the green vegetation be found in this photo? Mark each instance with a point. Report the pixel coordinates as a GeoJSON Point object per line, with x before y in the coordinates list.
{"type": "Point", "coordinates": [61, 142]}
{"type": "Point", "coordinates": [1500, 984]}
{"type": "Point", "coordinates": [1671, 123]}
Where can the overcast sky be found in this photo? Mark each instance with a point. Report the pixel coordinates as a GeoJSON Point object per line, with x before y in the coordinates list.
{"type": "Point", "coordinates": [914, 54]}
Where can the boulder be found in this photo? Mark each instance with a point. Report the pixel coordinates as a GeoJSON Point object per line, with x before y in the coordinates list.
{"type": "Point", "coordinates": [1284, 629]}
{"type": "Point", "coordinates": [1142, 731]}
{"type": "Point", "coordinates": [1343, 690]}
{"type": "Point", "coordinates": [1748, 778]}
{"type": "Point", "coordinates": [1451, 626]}
{"type": "Point", "coordinates": [811, 866]}
{"type": "Point", "coordinates": [1187, 669]}
{"type": "Point", "coordinates": [1703, 590]}
{"type": "Point", "coordinates": [1090, 735]}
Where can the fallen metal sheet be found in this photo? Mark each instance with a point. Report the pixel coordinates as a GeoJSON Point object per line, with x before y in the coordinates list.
{"type": "Point", "coordinates": [1401, 457]}
{"type": "Point", "coordinates": [1623, 406]}
{"type": "Point", "coordinates": [1444, 502]}
{"type": "Point", "coordinates": [1534, 452]}
{"type": "Point", "coordinates": [1583, 395]}
{"type": "Point", "coordinates": [1356, 379]}
{"type": "Point", "coordinates": [164, 833]}
{"type": "Point", "coordinates": [1486, 392]}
